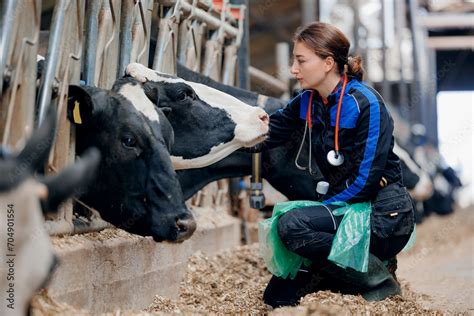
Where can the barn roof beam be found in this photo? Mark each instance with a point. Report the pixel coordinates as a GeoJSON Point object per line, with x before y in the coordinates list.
{"type": "Point", "coordinates": [436, 21]}
{"type": "Point", "coordinates": [451, 42]}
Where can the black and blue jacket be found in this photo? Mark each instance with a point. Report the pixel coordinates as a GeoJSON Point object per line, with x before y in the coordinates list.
{"type": "Point", "coordinates": [365, 139]}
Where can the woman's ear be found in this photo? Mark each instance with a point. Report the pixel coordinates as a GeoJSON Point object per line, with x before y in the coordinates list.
{"type": "Point", "coordinates": [329, 63]}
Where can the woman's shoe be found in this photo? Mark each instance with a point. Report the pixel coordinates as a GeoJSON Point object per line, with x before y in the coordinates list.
{"type": "Point", "coordinates": [375, 285]}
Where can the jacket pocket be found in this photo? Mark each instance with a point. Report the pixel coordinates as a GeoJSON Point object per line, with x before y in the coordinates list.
{"type": "Point", "coordinates": [392, 212]}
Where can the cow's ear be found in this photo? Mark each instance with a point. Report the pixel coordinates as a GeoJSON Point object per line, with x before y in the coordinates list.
{"type": "Point", "coordinates": [79, 106]}
{"type": "Point", "coordinates": [152, 91]}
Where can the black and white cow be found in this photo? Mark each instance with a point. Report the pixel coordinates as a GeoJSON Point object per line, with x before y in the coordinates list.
{"type": "Point", "coordinates": [416, 180]}
{"type": "Point", "coordinates": [443, 201]}
{"type": "Point", "coordinates": [137, 188]}
{"type": "Point", "coordinates": [249, 97]}
{"type": "Point", "coordinates": [26, 253]}
{"type": "Point", "coordinates": [278, 164]}
{"type": "Point", "coordinates": [208, 124]}
{"type": "Point", "coordinates": [278, 169]}
{"type": "Point", "coordinates": [445, 179]}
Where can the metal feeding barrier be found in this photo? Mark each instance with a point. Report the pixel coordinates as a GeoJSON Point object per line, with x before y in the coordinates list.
{"type": "Point", "coordinates": [91, 42]}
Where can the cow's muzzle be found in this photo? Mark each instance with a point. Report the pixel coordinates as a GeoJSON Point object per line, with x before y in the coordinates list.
{"type": "Point", "coordinates": [185, 228]}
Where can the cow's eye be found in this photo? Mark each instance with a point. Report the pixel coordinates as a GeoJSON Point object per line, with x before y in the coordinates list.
{"type": "Point", "coordinates": [129, 141]}
{"type": "Point", "coordinates": [185, 95]}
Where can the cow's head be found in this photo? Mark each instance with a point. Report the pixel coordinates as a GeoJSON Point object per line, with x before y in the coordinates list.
{"type": "Point", "coordinates": [28, 259]}
{"type": "Point", "coordinates": [208, 124]}
{"type": "Point", "coordinates": [137, 188]}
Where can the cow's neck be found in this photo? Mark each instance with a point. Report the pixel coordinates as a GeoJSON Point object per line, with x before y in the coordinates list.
{"type": "Point", "coordinates": [237, 164]}
{"type": "Point", "coordinates": [277, 169]}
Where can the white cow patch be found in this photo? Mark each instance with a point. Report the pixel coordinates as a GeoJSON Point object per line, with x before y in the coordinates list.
{"type": "Point", "coordinates": [136, 95]}
{"type": "Point", "coordinates": [217, 153]}
{"type": "Point", "coordinates": [144, 74]}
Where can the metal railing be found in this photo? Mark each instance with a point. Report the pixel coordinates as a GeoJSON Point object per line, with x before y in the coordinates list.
{"type": "Point", "coordinates": [99, 40]}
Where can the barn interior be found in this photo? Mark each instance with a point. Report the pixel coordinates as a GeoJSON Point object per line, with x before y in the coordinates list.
{"type": "Point", "coordinates": [418, 54]}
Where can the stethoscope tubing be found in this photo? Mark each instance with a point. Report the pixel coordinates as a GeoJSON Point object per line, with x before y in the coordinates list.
{"type": "Point", "coordinates": [337, 158]}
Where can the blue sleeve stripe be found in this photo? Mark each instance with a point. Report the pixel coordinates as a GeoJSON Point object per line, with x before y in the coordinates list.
{"type": "Point", "coordinates": [370, 148]}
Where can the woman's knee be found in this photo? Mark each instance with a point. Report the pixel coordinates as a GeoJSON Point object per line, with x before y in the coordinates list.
{"type": "Point", "coordinates": [284, 223]}
{"type": "Point", "coordinates": [289, 226]}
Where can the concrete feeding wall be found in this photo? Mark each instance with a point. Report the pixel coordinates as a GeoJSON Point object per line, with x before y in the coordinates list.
{"type": "Point", "coordinates": [113, 269]}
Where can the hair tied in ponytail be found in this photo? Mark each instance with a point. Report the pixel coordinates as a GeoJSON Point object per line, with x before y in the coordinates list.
{"type": "Point", "coordinates": [355, 68]}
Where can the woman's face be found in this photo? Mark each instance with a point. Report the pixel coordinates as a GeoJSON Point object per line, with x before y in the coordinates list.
{"type": "Point", "coordinates": [308, 68]}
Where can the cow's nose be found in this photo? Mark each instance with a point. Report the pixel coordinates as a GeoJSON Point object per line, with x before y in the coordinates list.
{"type": "Point", "coordinates": [264, 118]}
{"type": "Point", "coordinates": [186, 228]}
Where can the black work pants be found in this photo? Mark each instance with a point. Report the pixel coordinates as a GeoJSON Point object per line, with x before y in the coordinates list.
{"type": "Point", "coordinates": [309, 232]}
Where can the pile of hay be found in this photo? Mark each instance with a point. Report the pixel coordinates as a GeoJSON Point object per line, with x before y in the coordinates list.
{"type": "Point", "coordinates": [234, 281]}
{"type": "Point", "coordinates": [231, 282]}
{"type": "Point", "coordinates": [43, 305]}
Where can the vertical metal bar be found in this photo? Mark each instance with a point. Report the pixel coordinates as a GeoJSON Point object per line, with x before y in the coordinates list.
{"type": "Point", "coordinates": [399, 29]}
{"type": "Point", "coordinates": [243, 55]}
{"type": "Point", "coordinates": [356, 26]}
{"type": "Point", "coordinates": [20, 94]}
{"type": "Point", "coordinates": [145, 30]}
{"type": "Point", "coordinates": [6, 30]}
{"type": "Point", "coordinates": [63, 68]}
{"type": "Point", "coordinates": [416, 90]}
{"type": "Point", "coordinates": [385, 83]}
{"type": "Point", "coordinates": [283, 68]}
{"type": "Point", "coordinates": [420, 96]}
{"type": "Point", "coordinates": [54, 48]}
{"type": "Point", "coordinates": [125, 35]}
{"type": "Point", "coordinates": [92, 26]}
{"type": "Point", "coordinates": [105, 54]}
{"type": "Point", "coordinates": [430, 110]}
{"type": "Point", "coordinates": [308, 11]}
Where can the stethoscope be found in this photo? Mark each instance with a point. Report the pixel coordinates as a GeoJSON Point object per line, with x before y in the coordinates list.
{"type": "Point", "coordinates": [334, 157]}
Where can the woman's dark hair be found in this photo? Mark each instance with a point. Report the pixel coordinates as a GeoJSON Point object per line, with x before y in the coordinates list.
{"type": "Point", "coordinates": [327, 40]}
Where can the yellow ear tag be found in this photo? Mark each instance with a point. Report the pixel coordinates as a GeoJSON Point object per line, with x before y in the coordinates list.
{"type": "Point", "coordinates": [76, 113]}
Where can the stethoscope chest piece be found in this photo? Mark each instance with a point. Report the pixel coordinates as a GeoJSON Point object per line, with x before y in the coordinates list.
{"type": "Point", "coordinates": [335, 159]}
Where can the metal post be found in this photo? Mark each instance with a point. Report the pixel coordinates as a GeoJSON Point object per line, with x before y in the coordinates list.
{"type": "Point", "coordinates": [135, 23]}
{"type": "Point", "coordinates": [283, 68]}
{"type": "Point", "coordinates": [356, 26]}
{"type": "Point", "coordinates": [6, 30]}
{"type": "Point", "coordinates": [418, 96]}
{"type": "Point", "coordinates": [399, 29]}
{"type": "Point", "coordinates": [92, 26]}
{"type": "Point", "coordinates": [243, 55]}
{"type": "Point", "coordinates": [257, 198]}
{"type": "Point", "coordinates": [430, 113]}
{"type": "Point", "coordinates": [386, 88]}
{"type": "Point", "coordinates": [308, 11]}
{"type": "Point", "coordinates": [63, 68]}
{"type": "Point", "coordinates": [19, 71]}
{"type": "Point", "coordinates": [54, 50]}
